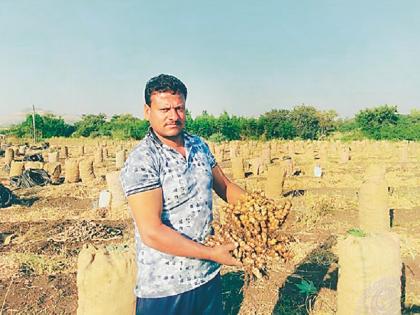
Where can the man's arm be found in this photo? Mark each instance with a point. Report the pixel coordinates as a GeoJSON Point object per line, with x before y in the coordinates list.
{"type": "Point", "coordinates": [224, 188]}
{"type": "Point", "coordinates": [147, 207]}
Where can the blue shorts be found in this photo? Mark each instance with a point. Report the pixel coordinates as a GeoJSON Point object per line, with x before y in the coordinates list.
{"type": "Point", "coordinates": [204, 300]}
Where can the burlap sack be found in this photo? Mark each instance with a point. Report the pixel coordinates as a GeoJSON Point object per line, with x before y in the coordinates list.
{"type": "Point", "coordinates": [257, 166]}
{"type": "Point", "coordinates": [114, 187]}
{"type": "Point", "coordinates": [275, 181]}
{"type": "Point", "coordinates": [35, 165]}
{"type": "Point", "coordinates": [373, 201]}
{"type": "Point", "coordinates": [404, 153]}
{"type": "Point", "coordinates": [54, 170]}
{"type": "Point", "coordinates": [105, 152]}
{"type": "Point", "coordinates": [369, 275]}
{"type": "Point", "coordinates": [266, 155]}
{"type": "Point", "coordinates": [238, 171]}
{"type": "Point", "coordinates": [106, 281]}
{"type": "Point", "coordinates": [9, 155]}
{"type": "Point", "coordinates": [289, 166]}
{"type": "Point", "coordinates": [16, 168]}
{"type": "Point", "coordinates": [53, 157]}
{"type": "Point", "coordinates": [345, 156]}
{"type": "Point", "coordinates": [64, 152]}
{"type": "Point", "coordinates": [323, 154]}
{"type": "Point", "coordinates": [120, 159]}
{"type": "Point", "coordinates": [233, 151]}
{"type": "Point", "coordinates": [72, 173]}
{"type": "Point", "coordinates": [245, 151]}
{"type": "Point", "coordinates": [81, 150]}
{"type": "Point", "coordinates": [219, 153]}
{"type": "Point", "coordinates": [99, 156]}
{"type": "Point", "coordinates": [86, 171]}
{"type": "Point", "coordinates": [22, 149]}
{"type": "Point", "coordinates": [291, 148]}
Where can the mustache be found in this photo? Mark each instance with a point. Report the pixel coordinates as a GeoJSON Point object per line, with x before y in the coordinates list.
{"type": "Point", "coordinates": [177, 122]}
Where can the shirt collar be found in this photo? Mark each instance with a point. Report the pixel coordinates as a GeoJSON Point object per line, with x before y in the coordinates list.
{"type": "Point", "coordinates": [187, 138]}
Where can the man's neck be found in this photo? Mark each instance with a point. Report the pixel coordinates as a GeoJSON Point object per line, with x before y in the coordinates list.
{"type": "Point", "coordinates": [173, 142]}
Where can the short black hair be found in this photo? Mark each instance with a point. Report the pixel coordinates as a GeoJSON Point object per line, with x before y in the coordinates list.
{"type": "Point", "coordinates": [164, 83]}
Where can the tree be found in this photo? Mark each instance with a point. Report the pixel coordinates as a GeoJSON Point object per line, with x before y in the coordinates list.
{"type": "Point", "coordinates": [372, 121]}
{"type": "Point", "coordinates": [47, 126]}
{"type": "Point", "coordinates": [251, 128]}
{"type": "Point", "coordinates": [277, 124]}
{"type": "Point", "coordinates": [56, 127]}
{"type": "Point", "coordinates": [327, 122]}
{"type": "Point", "coordinates": [306, 121]}
{"type": "Point", "coordinates": [127, 126]}
{"type": "Point", "coordinates": [228, 126]}
{"type": "Point", "coordinates": [91, 125]}
{"type": "Point", "coordinates": [204, 125]}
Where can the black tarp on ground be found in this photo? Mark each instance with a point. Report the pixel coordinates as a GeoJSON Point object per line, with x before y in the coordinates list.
{"type": "Point", "coordinates": [6, 197]}
{"type": "Point", "coordinates": [30, 178]}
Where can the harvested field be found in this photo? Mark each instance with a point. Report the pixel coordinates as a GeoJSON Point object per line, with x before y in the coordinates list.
{"type": "Point", "coordinates": [44, 229]}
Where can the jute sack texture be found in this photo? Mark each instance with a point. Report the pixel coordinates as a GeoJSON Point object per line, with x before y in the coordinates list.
{"type": "Point", "coordinates": [34, 165]}
{"type": "Point", "coordinates": [257, 166]}
{"type": "Point", "coordinates": [22, 149]}
{"type": "Point", "coordinates": [233, 150]}
{"type": "Point", "coordinates": [238, 171]}
{"type": "Point", "coordinates": [99, 156]}
{"type": "Point", "coordinates": [119, 159]}
{"type": "Point", "coordinates": [404, 153]}
{"type": "Point", "coordinates": [105, 281]}
{"type": "Point", "coordinates": [16, 168]}
{"type": "Point", "coordinates": [245, 151]}
{"type": "Point", "coordinates": [86, 171]}
{"type": "Point", "coordinates": [266, 155]}
{"type": "Point", "coordinates": [373, 201]}
{"type": "Point", "coordinates": [81, 150]}
{"type": "Point", "coordinates": [345, 155]}
{"type": "Point", "coordinates": [289, 166]}
{"type": "Point", "coordinates": [64, 152]}
{"type": "Point", "coordinates": [72, 173]}
{"type": "Point", "coordinates": [369, 277]}
{"type": "Point", "coordinates": [275, 181]}
{"type": "Point", "coordinates": [219, 152]}
{"type": "Point", "coordinates": [114, 187]}
{"type": "Point", "coordinates": [54, 170]}
{"type": "Point", "coordinates": [105, 153]}
{"type": "Point", "coordinates": [53, 157]}
{"type": "Point", "coordinates": [9, 156]}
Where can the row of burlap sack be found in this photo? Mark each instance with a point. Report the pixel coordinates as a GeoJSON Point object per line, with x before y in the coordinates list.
{"type": "Point", "coordinates": [106, 278]}
{"type": "Point", "coordinates": [369, 278]}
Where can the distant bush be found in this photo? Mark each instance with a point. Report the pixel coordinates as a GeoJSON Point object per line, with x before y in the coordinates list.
{"type": "Point", "coordinates": [47, 126]}
{"type": "Point", "coordinates": [302, 122]}
{"type": "Point", "coordinates": [385, 123]}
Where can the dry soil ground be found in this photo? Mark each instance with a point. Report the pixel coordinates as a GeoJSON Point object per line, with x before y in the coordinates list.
{"type": "Point", "coordinates": [43, 232]}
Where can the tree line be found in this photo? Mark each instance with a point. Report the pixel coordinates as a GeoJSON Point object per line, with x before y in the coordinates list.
{"type": "Point", "coordinates": [301, 122]}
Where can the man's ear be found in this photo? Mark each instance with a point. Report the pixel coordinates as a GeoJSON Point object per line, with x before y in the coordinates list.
{"type": "Point", "coordinates": [146, 112]}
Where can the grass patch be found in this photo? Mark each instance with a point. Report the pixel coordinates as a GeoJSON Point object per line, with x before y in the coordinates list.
{"type": "Point", "coordinates": [32, 264]}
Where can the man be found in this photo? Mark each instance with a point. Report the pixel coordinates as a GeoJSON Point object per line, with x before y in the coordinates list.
{"type": "Point", "coordinates": [168, 179]}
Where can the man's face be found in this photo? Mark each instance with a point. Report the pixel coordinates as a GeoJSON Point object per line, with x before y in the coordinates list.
{"type": "Point", "coordinates": [166, 113]}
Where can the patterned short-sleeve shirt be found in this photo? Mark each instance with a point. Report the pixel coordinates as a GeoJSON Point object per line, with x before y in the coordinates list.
{"type": "Point", "coordinates": [187, 208]}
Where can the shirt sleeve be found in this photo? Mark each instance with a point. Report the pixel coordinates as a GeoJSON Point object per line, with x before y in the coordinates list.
{"type": "Point", "coordinates": [210, 156]}
{"type": "Point", "coordinates": [140, 173]}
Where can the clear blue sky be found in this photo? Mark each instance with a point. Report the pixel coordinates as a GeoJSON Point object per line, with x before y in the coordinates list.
{"type": "Point", "coordinates": [246, 57]}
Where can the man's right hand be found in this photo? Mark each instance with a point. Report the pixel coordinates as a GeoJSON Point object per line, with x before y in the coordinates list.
{"type": "Point", "coordinates": [222, 255]}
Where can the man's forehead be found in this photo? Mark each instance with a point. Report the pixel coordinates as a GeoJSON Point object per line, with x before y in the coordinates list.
{"type": "Point", "coordinates": [167, 97]}
{"type": "Point", "coordinates": [166, 92]}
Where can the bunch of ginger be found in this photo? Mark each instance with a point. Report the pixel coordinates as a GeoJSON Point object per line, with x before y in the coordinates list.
{"type": "Point", "coordinates": [254, 226]}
